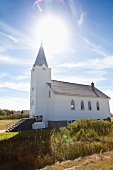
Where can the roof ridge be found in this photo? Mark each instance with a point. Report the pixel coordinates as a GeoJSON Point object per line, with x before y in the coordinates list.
{"type": "Point", "coordinates": [71, 83]}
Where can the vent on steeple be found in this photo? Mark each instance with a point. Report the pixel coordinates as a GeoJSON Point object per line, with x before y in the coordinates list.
{"type": "Point", "coordinates": [41, 59]}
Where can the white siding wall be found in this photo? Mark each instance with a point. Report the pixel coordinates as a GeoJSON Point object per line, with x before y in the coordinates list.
{"type": "Point", "coordinates": [40, 76]}
{"type": "Point", "coordinates": [32, 93]}
{"type": "Point", "coordinates": [51, 104]}
{"type": "Point", "coordinates": [63, 108]}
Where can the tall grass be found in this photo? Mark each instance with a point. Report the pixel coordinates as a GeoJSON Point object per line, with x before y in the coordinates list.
{"type": "Point", "coordinates": [35, 149]}
{"type": "Point", "coordinates": [83, 137]}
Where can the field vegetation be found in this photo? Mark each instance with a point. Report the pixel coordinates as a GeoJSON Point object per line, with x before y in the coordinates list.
{"type": "Point", "coordinates": [4, 124]}
{"type": "Point", "coordinates": [33, 150]}
{"type": "Point", "coordinates": [11, 114]}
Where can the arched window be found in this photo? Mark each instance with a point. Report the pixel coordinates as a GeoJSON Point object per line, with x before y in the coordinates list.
{"type": "Point", "coordinates": [82, 105]}
{"type": "Point", "coordinates": [97, 105]}
{"type": "Point", "coordinates": [72, 105]}
{"type": "Point", "coordinates": [49, 94]}
{"type": "Point", "coordinates": [32, 102]}
{"type": "Point", "coordinates": [89, 105]}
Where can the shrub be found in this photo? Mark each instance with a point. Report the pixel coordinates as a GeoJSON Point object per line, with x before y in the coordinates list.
{"type": "Point", "coordinates": [101, 127]}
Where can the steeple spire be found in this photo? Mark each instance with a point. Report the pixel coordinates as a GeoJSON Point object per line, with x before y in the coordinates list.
{"type": "Point", "coordinates": [41, 59]}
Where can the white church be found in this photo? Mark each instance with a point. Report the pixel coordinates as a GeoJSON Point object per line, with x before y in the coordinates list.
{"type": "Point", "coordinates": [56, 103]}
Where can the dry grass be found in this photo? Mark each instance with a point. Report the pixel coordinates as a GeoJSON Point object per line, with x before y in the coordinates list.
{"type": "Point", "coordinates": [102, 161]}
{"type": "Point", "coordinates": [4, 124]}
{"type": "Point", "coordinates": [112, 119]}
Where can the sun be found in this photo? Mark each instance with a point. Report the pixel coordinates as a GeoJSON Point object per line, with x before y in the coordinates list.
{"type": "Point", "coordinates": [53, 33]}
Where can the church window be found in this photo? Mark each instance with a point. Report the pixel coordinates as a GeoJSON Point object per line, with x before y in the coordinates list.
{"type": "Point", "coordinates": [32, 103]}
{"type": "Point", "coordinates": [97, 105]}
{"type": "Point", "coordinates": [82, 105]}
{"type": "Point", "coordinates": [72, 105]}
{"type": "Point", "coordinates": [49, 94]}
{"type": "Point", "coordinates": [32, 88]}
{"type": "Point", "coordinates": [89, 105]}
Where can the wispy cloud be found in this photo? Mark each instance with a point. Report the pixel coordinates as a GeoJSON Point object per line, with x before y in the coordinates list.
{"type": "Point", "coordinates": [9, 37]}
{"type": "Point", "coordinates": [97, 63]}
{"type": "Point", "coordinates": [24, 76]}
{"type": "Point", "coordinates": [16, 86]}
{"type": "Point", "coordinates": [81, 19]}
{"type": "Point", "coordinates": [96, 48]}
{"type": "Point", "coordinates": [79, 79]}
{"type": "Point", "coordinates": [72, 8]}
{"type": "Point", "coordinates": [77, 14]}
{"type": "Point", "coordinates": [2, 75]}
{"type": "Point", "coordinates": [6, 59]}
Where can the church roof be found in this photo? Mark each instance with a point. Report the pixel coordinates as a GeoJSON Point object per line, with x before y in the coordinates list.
{"type": "Point", "coordinates": [66, 88]}
{"type": "Point", "coordinates": [41, 59]}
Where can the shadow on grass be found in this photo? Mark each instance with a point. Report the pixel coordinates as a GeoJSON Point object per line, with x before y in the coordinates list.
{"type": "Point", "coordinates": [26, 150]}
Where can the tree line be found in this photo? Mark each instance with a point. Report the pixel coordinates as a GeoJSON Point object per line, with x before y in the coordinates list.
{"type": "Point", "coordinates": [12, 114]}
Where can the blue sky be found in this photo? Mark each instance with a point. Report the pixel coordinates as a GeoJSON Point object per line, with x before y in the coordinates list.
{"type": "Point", "coordinates": [87, 56]}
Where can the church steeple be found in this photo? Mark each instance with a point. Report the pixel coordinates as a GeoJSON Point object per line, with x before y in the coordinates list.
{"type": "Point", "coordinates": [41, 59]}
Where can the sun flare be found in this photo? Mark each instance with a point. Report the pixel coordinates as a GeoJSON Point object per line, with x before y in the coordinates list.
{"type": "Point", "coordinates": [53, 33]}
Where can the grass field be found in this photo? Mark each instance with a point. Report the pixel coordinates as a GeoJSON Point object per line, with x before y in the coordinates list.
{"type": "Point", "coordinates": [7, 135]}
{"type": "Point", "coordinates": [4, 124]}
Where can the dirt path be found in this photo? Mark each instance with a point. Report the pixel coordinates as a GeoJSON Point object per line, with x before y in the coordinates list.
{"type": "Point", "coordinates": [92, 162]}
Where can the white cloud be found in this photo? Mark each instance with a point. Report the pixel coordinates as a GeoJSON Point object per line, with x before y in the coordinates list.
{"type": "Point", "coordinates": [6, 59]}
{"type": "Point", "coordinates": [22, 77]}
{"type": "Point", "coordinates": [2, 75]}
{"type": "Point", "coordinates": [16, 86]}
{"type": "Point", "coordinates": [81, 19]}
{"type": "Point", "coordinates": [14, 103]}
{"type": "Point", "coordinates": [78, 79]}
{"type": "Point", "coordinates": [97, 63]}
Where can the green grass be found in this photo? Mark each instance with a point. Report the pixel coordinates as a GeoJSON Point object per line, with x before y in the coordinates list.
{"type": "Point", "coordinates": [4, 124]}
{"type": "Point", "coordinates": [7, 135]}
